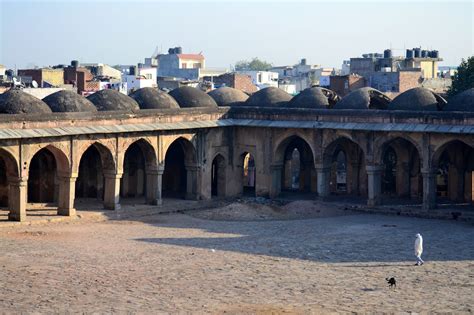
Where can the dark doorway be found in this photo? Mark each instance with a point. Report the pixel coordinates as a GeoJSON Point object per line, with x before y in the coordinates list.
{"type": "Point", "coordinates": [42, 177]}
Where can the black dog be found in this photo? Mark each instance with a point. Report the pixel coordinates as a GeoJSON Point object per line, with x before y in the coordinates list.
{"type": "Point", "coordinates": [392, 283]}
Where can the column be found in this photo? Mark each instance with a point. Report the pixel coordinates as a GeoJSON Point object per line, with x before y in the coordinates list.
{"type": "Point", "coordinates": [17, 199]}
{"type": "Point", "coordinates": [191, 182]}
{"type": "Point", "coordinates": [67, 190]}
{"type": "Point", "coordinates": [374, 177]}
{"type": "Point", "coordinates": [323, 174]}
{"type": "Point", "coordinates": [275, 189]}
{"type": "Point", "coordinates": [154, 186]}
{"type": "Point", "coordinates": [112, 191]}
{"type": "Point", "coordinates": [429, 189]}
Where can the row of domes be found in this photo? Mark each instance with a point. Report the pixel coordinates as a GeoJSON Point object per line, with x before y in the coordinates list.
{"type": "Point", "coordinates": [19, 102]}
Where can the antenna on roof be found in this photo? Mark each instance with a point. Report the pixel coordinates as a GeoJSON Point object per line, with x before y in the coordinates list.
{"type": "Point", "coordinates": [34, 84]}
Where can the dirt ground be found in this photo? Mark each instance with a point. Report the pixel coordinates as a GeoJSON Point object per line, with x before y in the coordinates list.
{"type": "Point", "coordinates": [239, 259]}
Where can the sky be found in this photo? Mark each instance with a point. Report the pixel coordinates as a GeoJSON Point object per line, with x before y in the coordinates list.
{"type": "Point", "coordinates": [42, 33]}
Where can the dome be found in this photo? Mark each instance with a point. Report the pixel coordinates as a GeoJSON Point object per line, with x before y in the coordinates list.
{"type": "Point", "coordinates": [18, 102]}
{"type": "Point", "coordinates": [418, 99]}
{"type": "Point", "coordinates": [314, 97]}
{"type": "Point", "coordinates": [187, 96]}
{"type": "Point", "coordinates": [68, 101]}
{"type": "Point", "coordinates": [364, 98]}
{"type": "Point", "coordinates": [152, 98]}
{"type": "Point", "coordinates": [463, 101]}
{"type": "Point", "coordinates": [227, 96]}
{"type": "Point", "coordinates": [269, 97]}
{"type": "Point", "coordinates": [112, 100]}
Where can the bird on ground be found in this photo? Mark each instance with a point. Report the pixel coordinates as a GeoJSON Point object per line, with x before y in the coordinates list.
{"type": "Point", "coordinates": [419, 249]}
{"type": "Point", "coordinates": [392, 283]}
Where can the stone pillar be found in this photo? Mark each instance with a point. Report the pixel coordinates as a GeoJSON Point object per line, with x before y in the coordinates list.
{"type": "Point", "coordinates": [275, 189]}
{"type": "Point", "coordinates": [374, 177]}
{"type": "Point", "coordinates": [429, 189]}
{"type": "Point", "coordinates": [154, 186]}
{"type": "Point", "coordinates": [323, 174]}
{"type": "Point", "coordinates": [191, 182]}
{"type": "Point", "coordinates": [67, 191]}
{"type": "Point", "coordinates": [17, 199]}
{"type": "Point", "coordinates": [112, 191]}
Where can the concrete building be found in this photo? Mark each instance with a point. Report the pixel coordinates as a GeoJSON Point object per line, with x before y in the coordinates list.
{"type": "Point", "coordinates": [140, 77]}
{"type": "Point", "coordinates": [102, 70]}
{"type": "Point", "coordinates": [416, 148]}
{"type": "Point", "coordinates": [45, 77]}
{"type": "Point", "coordinates": [396, 74]}
{"type": "Point", "coordinates": [179, 65]}
{"type": "Point", "coordinates": [234, 80]}
{"type": "Point", "coordinates": [344, 84]}
{"type": "Point", "coordinates": [262, 79]}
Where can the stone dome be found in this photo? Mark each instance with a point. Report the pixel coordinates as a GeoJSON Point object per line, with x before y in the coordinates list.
{"type": "Point", "coordinates": [187, 96]}
{"type": "Point", "coordinates": [227, 96]}
{"type": "Point", "coordinates": [463, 102]}
{"type": "Point", "coordinates": [364, 98]}
{"type": "Point", "coordinates": [418, 99]}
{"type": "Point", "coordinates": [68, 101]}
{"type": "Point", "coordinates": [18, 102]}
{"type": "Point", "coordinates": [112, 100]}
{"type": "Point", "coordinates": [314, 97]}
{"type": "Point", "coordinates": [269, 97]}
{"type": "Point", "coordinates": [152, 98]}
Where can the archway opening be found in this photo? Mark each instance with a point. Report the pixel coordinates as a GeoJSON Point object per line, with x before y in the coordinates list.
{"type": "Point", "coordinates": [42, 181]}
{"type": "Point", "coordinates": [346, 161]}
{"type": "Point", "coordinates": [180, 175]}
{"type": "Point", "coordinates": [90, 181]}
{"type": "Point", "coordinates": [454, 165]}
{"type": "Point", "coordinates": [133, 181]}
{"type": "Point", "coordinates": [401, 174]}
{"type": "Point", "coordinates": [249, 174]}
{"type": "Point", "coordinates": [218, 176]}
{"type": "Point", "coordinates": [298, 174]}
{"type": "Point", "coordinates": [4, 189]}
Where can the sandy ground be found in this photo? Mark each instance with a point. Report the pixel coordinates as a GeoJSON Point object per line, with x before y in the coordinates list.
{"type": "Point", "coordinates": [240, 259]}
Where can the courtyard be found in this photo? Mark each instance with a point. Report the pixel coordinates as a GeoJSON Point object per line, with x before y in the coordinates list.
{"type": "Point", "coordinates": [241, 258]}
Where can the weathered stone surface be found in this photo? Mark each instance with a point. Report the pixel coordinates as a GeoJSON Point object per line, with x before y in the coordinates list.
{"type": "Point", "coordinates": [18, 102]}
{"type": "Point", "coordinates": [113, 100]}
{"type": "Point", "coordinates": [417, 99]}
{"type": "Point", "coordinates": [152, 98]}
{"type": "Point", "coordinates": [69, 101]}
{"type": "Point", "coordinates": [269, 97]}
{"type": "Point", "coordinates": [314, 97]}
{"type": "Point", "coordinates": [226, 96]}
{"type": "Point", "coordinates": [363, 98]}
{"type": "Point", "coordinates": [463, 101]}
{"type": "Point", "coordinates": [187, 96]}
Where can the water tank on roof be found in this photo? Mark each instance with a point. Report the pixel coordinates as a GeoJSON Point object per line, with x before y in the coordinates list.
{"type": "Point", "coordinates": [171, 51]}
{"type": "Point", "coordinates": [434, 54]}
{"type": "Point", "coordinates": [387, 53]}
{"type": "Point", "coordinates": [303, 62]}
{"type": "Point", "coordinates": [178, 50]}
{"type": "Point", "coordinates": [132, 70]}
{"type": "Point", "coordinates": [75, 63]}
{"type": "Point", "coordinates": [417, 52]}
{"type": "Point", "coordinates": [409, 53]}
{"type": "Point", "coordinates": [424, 54]}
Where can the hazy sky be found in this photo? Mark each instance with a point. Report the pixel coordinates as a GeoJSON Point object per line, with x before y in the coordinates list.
{"type": "Point", "coordinates": [282, 32]}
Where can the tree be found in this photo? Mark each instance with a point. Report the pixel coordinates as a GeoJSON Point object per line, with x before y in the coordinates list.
{"type": "Point", "coordinates": [254, 64]}
{"type": "Point", "coordinates": [464, 78]}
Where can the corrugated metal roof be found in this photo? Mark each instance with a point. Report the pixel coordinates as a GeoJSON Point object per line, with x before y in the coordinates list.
{"type": "Point", "coordinates": [69, 131]}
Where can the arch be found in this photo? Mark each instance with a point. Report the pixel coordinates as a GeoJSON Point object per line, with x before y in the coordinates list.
{"type": "Point", "coordinates": [453, 163]}
{"type": "Point", "coordinates": [248, 173]}
{"type": "Point", "coordinates": [385, 141]}
{"type": "Point", "coordinates": [180, 171]}
{"type": "Point", "coordinates": [106, 154]}
{"type": "Point", "coordinates": [139, 162]}
{"type": "Point", "coordinates": [303, 176]}
{"type": "Point", "coordinates": [218, 176]}
{"type": "Point", "coordinates": [350, 178]}
{"type": "Point", "coordinates": [60, 157]}
{"type": "Point", "coordinates": [8, 170]}
{"type": "Point", "coordinates": [43, 177]}
{"type": "Point", "coordinates": [282, 142]}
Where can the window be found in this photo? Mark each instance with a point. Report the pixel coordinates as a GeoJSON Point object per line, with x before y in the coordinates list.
{"type": "Point", "coordinates": [197, 65]}
{"type": "Point", "coordinates": [184, 65]}
{"type": "Point", "coordinates": [148, 76]}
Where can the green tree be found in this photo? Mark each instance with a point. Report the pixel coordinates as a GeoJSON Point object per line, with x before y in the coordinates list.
{"type": "Point", "coordinates": [464, 78]}
{"type": "Point", "coordinates": [254, 64]}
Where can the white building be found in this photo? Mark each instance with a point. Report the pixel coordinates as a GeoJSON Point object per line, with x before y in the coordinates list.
{"type": "Point", "coordinates": [145, 77]}
{"type": "Point", "coordinates": [262, 79]}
